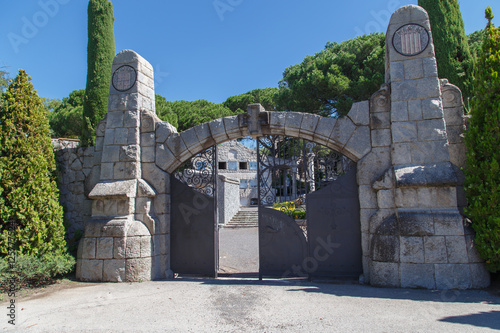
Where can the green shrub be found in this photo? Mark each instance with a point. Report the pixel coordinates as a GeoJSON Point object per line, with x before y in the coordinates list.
{"type": "Point", "coordinates": [30, 271]}
{"type": "Point", "coordinates": [483, 154]}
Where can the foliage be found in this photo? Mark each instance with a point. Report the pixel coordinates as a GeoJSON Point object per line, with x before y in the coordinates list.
{"type": "Point", "coordinates": [32, 271]}
{"type": "Point", "coordinates": [165, 111]}
{"type": "Point", "coordinates": [190, 114]}
{"type": "Point", "coordinates": [29, 198]}
{"type": "Point", "coordinates": [266, 97]}
{"type": "Point", "coordinates": [475, 42]}
{"type": "Point", "coordinates": [329, 82]}
{"type": "Point", "coordinates": [483, 155]}
{"type": "Point", "coordinates": [66, 119]}
{"type": "Point", "coordinates": [454, 59]}
{"type": "Point", "coordinates": [4, 80]}
{"type": "Point", "coordinates": [100, 55]}
{"type": "Point", "coordinates": [288, 207]}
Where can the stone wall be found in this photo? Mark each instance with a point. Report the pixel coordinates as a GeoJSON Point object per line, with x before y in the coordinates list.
{"type": "Point", "coordinates": [228, 198]}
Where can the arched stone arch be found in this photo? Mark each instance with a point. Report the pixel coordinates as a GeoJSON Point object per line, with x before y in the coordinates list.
{"type": "Point", "coordinates": [349, 135]}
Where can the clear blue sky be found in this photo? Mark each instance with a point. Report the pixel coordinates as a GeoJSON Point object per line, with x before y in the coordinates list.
{"type": "Point", "coordinates": [197, 51]}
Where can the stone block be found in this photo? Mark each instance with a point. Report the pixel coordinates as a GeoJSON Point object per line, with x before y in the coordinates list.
{"type": "Point", "coordinates": [164, 208]}
{"type": "Point", "coordinates": [359, 144]}
{"type": "Point", "coordinates": [415, 110]}
{"type": "Point", "coordinates": [164, 158]}
{"type": "Point", "coordinates": [448, 222]}
{"type": "Point", "coordinates": [472, 252]}
{"type": "Point", "coordinates": [154, 175]}
{"type": "Point", "coordinates": [123, 102]}
{"type": "Point", "coordinates": [218, 130]}
{"type": "Point", "coordinates": [428, 87]}
{"type": "Point", "coordinates": [384, 274]}
{"type": "Point", "coordinates": [148, 139]}
{"type": "Point", "coordinates": [367, 197]}
{"type": "Point", "coordinates": [430, 130]}
{"type": "Point", "coordinates": [411, 250]}
{"type": "Point", "coordinates": [430, 152]}
{"type": "Point", "coordinates": [277, 121]}
{"type": "Point", "coordinates": [435, 250]}
{"type": "Point", "coordinates": [401, 153]}
{"type": "Point", "coordinates": [404, 90]}
{"type": "Point", "coordinates": [138, 270]}
{"type": "Point", "coordinates": [119, 248]}
{"type": "Point", "coordinates": [232, 126]}
{"type": "Point", "coordinates": [413, 69]}
{"type": "Point", "coordinates": [148, 122]}
{"type": "Point", "coordinates": [113, 270]}
{"type": "Point", "coordinates": [163, 224]}
{"type": "Point", "coordinates": [404, 131]}
{"type": "Point", "coordinates": [430, 67]}
{"type": "Point", "coordinates": [457, 250]}
{"type": "Point", "coordinates": [458, 154]}
{"type": "Point", "coordinates": [148, 154]}
{"type": "Point", "coordinates": [104, 248]}
{"type": "Point", "coordinates": [342, 132]}
{"type": "Point", "coordinates": [130, 153]}
{"type": "Point", "coordinates": [385, 199]}
{"type": "Point", "coordinates": [365, 216]}
{"type": "Point", "coordinates": [131, 118]}
{"type": "Point", "coordinates": [163, 131]}
{"type": "Point", "coordinates": [373, 165]}
{"type": "Point", "coordinates": [191, 141]}
{"type": "Point", "coordinates": [111, 154]}
{"type": "Point", "coordinates": [91, 270]}
{"type": "Point", "coordinates": [406, 197]}
{"type": "Point", "coordinates": [120, 136]}
{"type": "Point", "coordinates": [399, 111]}
{"type": "Point", "coordinates": [176, 145]}
{"type": "Point", "coordinates": [384, 222]}
{"type": "Point", "coordinates": [88, 247]}
{"type": "Point", "coordinates": [360, 113]}
{"type": "Point", "coordinates": [381, 137]}
{"type": "Point", "coordinates": [365, 244]}
{"type": "Point", "coordinates": [385, 248]}
{"type": "Point", "coordinates": [454, 134]}
{"type": "Point", "coordinates": [308, 126]}
{"type": "Point", "coordinates": [397, 71]}
{"type": "Point", "coordinates": [380, 120]}
{"type": "Point", "coordinates": [146, 246]}
{"type": "Point", "coordinates": [453, 276]}
{"type": "Point", "coordinates": [432, 108]}
{"type": "Point", "coordinates": [416, 223]}
{"type": "Point", "coordinates": [480, 276]}
{"type": "Point", "coordinates": [417, 276]}
{"type": "Point", "coordinates": [324, 130]}
{"type": "Point", "coordinates": [454, 116]}
{"type": "Point", "coordinates": [138, 229]}
{"type": "Point", "coordinates": [133, 247]}
{"type": "Point", "coordinates": [127, 170]}
{"type": "Point", "coordinates": [114, 119]}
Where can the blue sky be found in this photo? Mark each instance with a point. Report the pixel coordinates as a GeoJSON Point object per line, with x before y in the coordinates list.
{"type": "Point", "coordinates": [200, 49]}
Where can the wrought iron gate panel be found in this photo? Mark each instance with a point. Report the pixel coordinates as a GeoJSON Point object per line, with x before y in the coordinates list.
{"type": "Point", "coordinates": [334, 231]}
{"type": "Point", "coordinates": [194, 232]}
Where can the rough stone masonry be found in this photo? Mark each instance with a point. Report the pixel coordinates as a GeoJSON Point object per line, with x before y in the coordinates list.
{"type": "Point", "coordinates": [406, 141]}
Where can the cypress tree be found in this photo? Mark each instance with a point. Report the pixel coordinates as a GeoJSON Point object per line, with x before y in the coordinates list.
{"type": "Point", "coordinates": [483, 154]}
{"type": "Point", "coordinates": [31, 218]}
{"type": "Point", "coordinates": [454, 59]}
{"type": "Point", "coordinates": [100, 55]}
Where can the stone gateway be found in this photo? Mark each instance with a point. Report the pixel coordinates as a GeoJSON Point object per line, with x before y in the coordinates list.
{"type": "Point", "coordinates": [406, 142]}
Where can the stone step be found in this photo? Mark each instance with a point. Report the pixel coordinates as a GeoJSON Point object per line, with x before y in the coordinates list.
{"type": "Point", "coordinates": [245, 218]}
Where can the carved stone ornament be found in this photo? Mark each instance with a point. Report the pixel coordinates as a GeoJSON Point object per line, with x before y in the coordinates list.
{"type": "Point", "coordinates": [124, 78]}
{"type": "Point", "coordinates": [410, 40]}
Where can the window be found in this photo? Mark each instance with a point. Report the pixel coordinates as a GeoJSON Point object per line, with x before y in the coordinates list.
{"type": "Point", "coordinates": [222, 165]}
{"type": "Point", "coordinates": [243, 165]}
{"type": "Point", "coordinates": [253, 183]}
{"type": "Point", "coordinates": [253, 165]}
{"type": "Point", "coordinates": [243, 183]}
{"type": "Point", "coordinates": [232, 165]}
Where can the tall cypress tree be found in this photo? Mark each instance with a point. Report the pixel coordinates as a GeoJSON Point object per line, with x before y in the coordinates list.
{"type": "Point", "coordinates": [31, 218]}
{"type": "Point", "coordinates": [483, 155]}
{"type": "Point", "coordinates": [454, 58]}
{"type": "Point", "coordinates": [100, 55]}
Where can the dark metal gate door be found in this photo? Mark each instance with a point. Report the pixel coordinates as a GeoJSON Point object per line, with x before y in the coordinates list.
{"type": "Point", "coordinates": [194, 248]}
{"type": "Point", "coordinates": [333, 228]}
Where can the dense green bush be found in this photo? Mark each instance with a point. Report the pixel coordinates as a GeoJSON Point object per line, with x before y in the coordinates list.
{"type": "Point", "coordinates": [66, 119]}
{"type": "Point", "coordinates": [483, 155]}
{"type": "Point", "coordinates": [29, 198]}
{"type": "Point", "coordinates": [32, 271]}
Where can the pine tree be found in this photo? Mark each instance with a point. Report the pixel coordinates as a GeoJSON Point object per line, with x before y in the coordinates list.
{"type": "Point", "coordinates": [29, 198]}
{"type": "Point", "coordinates": [454, 59]}
{"type": "Point", "coordinates": [483, 150]}
{"type": "Point", "coordinates": [100, 55]}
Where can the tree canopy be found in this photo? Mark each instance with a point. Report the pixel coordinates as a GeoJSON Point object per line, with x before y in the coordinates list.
{"type": "Point", "coordinates": [454, 59]}
{"type": "Point", "coordinates": [329, 82]}
{"type": "Point", "coordinates": [66, 119]}
{"type": "Point", "coordinates": [483, 156]}
{"type": "Point", "coordinates": [29, 198]}
{"type": "Point", "coordinates": [100, 55]}
{"type": "Point", "coordinates": [267, 97]}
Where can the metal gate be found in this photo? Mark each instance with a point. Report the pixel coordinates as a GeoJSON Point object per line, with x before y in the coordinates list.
{"type": "Point", "coordinates": [309, 221]}
{"type": "Point", "coordinates": [194, 232]}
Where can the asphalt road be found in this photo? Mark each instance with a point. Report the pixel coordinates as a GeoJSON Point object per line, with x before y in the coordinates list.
{"type": "Point", "coordinates": [238, 250]}
{"type": "Point", "coordinates": [231, 305]}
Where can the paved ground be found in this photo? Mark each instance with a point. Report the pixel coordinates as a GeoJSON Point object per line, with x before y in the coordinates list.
{"type": "Point", "coordinates": [229, 305]}
{"type": "Point", "coordinates": [238, 250]}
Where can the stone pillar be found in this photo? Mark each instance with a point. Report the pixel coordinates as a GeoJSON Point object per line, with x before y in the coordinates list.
{"type": "Point", "coordinates": [118, 240]}
{"type": "Point", "coordinates": [419, 239]}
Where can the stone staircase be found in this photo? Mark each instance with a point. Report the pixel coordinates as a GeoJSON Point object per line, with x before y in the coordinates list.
{"type": "Point", "coordinates": [247, 217]}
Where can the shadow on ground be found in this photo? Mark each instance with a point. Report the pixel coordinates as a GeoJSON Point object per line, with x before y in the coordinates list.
{"type": "Point", "coordinates": [482, 319]}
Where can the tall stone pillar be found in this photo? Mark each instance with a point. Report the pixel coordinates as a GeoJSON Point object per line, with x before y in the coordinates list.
{"type": "Point", "coordinates": [117, 244]}
{"type": "Point", "coordinates": [419, 236]}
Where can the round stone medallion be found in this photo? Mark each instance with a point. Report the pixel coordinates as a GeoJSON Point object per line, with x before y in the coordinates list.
{"type": "Point", "coordinates": [410, 40]}
{"type": "Point", "coordinates": [124, 78]}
